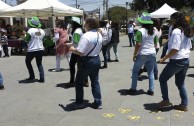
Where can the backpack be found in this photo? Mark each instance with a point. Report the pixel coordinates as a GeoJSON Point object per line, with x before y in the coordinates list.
{"type": "Point", "coordinates": [106, 35]}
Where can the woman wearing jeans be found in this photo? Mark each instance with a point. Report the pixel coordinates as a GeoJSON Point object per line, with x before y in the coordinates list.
{"type": "Point", "coordinates": [144, 53]}
{"type": "Point", "coordinates": [179, 45]}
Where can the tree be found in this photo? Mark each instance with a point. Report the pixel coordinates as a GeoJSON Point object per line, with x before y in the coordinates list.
{"type": "Point", "coordinates": [119, 14]}
{"type": "Point", "coordinates": [152, 5]}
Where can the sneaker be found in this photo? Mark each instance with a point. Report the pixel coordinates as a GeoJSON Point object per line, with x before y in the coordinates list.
{"type": "Point", "coordinates": [94, 105]}
{"type": "Point", "coordinates": [41, 80]}
{"type": "Point", "coordinates": [150, 93]}
{"type": "Point", "coordinates": [116, 60]}
{"type": "Point", "coordinates": [132, 91]}
{"type": "Point", "coordinates": [77, 106]}
{"type": "Point", "coordinates": [86, 84]}
{"type": "Point", "coordinates": [105, 66]}
{"type": "Point", "coordinates": [181, 108]}
{"type": "Point", "coordinates": [163, 104]}
{"type": "Point", "coordinates": [156, 76]}
{"type": "Point", "coordinates": [2, 87]}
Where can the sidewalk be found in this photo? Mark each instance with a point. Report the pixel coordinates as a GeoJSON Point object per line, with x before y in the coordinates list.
{"type": "Point", "coordinates": [43, 104]}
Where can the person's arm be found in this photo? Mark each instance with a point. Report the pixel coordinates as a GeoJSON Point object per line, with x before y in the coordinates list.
{"type": "Point", "coordinates": [138, 39]}
{"type": "Point", "coordinates": [27, 37]}
{"type": "Point", "coordinates": [170, 54]}
{"type": "Point", "coordinates": [75, 51]}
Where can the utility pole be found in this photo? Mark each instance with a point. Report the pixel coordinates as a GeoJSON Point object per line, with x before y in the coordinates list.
{"type": "Point", "coordinates": [103, 8]}
{"type": "Point", "coordinates": [107, 9]}
{"type": "Point", "coordinates": [76, 4]}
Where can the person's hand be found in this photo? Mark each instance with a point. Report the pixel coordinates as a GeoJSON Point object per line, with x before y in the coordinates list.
{"type": "Point", "coordinates": [134, 58]}
{"type": "Point", "coordinates": [162, 60]}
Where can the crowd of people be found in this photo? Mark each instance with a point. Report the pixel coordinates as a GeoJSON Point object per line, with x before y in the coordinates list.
{"type": "Point", "coordinates": [87, 42]}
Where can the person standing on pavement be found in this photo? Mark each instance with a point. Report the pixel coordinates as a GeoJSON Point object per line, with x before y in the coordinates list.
{"type": "Point", "coordinates": [114, 41]}
{"type": "Point", "coordinates": [106, 33]}
{"type": "Point", "coordinates": [60, 38]}
{"type": "Point", "coordinates": [88, 49]}
{"type": "Point", "coordinates": [34, 37]}
{"type": "Point", "coordinates": [4, 42]}
{"type": "Point", "coordinates": [1, 82]}
{"type": "Point", "coordinates": [131, 27]}
{"type": "Point", "coordinates": [77, 32]}
{"type": "Point", "coordinates": [144, 53]}
{"type": "Point", "coordinates": [179, 45]}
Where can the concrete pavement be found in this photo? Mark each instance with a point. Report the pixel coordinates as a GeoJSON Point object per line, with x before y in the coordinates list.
{"type": "Point", "coordinates": [44, 104]}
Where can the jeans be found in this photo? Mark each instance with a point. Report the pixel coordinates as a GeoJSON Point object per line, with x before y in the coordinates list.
{"type": "Point", "coordinates": [29, 57]}
{"type": "Point", "coordinates": [114, 45]}
{"type": "Point", "coordinates": [179, 69]}
{"type": "Point", "coordinates": [90, 68]}
{"type": "Point", "coordinates": [104, 53]}
{"type": "Point", "coordinates": [165, 48]}
{"type": "Point", "coordinates": [1, 80]}
{"type": "Point", "coordinates": [131, 39]}
{"type": "Point", "coordinates": [5, 49]}
{"type": "Point", "coordinates": [149, 61]}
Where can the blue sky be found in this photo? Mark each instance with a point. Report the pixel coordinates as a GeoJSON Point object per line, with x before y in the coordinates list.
{"type": "Point", "coordinates": [87, 5]}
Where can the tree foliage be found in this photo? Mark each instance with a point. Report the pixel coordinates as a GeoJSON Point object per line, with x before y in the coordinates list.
{"type": "Point", "coordinates": [120, 14]}
{"type": "Point", "coordinates": [152, 5]}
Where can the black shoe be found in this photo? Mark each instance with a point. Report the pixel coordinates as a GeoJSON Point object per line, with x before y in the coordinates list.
{"type": "Point", "coordinates": [132, 91]}
{"type": "Point", "coordinates": [105, 66]}
{"type": "Point", "coordinates": [41, 80]}
{"type": "Point", "coordinates": [86, 84]}
{"type": "Point", "coordinates": [116, 60]}
{"type": "Point", "coordinates": [140, 72]}
{"type": "Point", "coordinates": [30, 79]}
{"type": "Point", "coordinates": [109, 60]}
{"type": "Point", "coordinates": [2, 87]}
{"type": "Point", "coordinates": [156, 76]}
{"type": "Point", "coordinates": [94, 105]}
{"type": "Point", "coordinates": [150, 93]}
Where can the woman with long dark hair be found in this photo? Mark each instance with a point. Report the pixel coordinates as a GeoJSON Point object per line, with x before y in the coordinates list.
{"type": "Point", "coordinates": [179, 45]}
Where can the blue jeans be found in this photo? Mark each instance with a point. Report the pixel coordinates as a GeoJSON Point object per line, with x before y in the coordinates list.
{"type": "Point", "coordinates": [1, 80]}
{"type": "Point", "coordinates": [114, 45]}
{"type": "Point", "coordinates": [149, 61]}
{"type": "Point", "coordinates": [131, 39]}
{"type": "Point", "coordinates": [90, 67]}
{"type": "Point", "coordinates": [29, 57]}
{"type": "Point", "coordinates": [179, 69]}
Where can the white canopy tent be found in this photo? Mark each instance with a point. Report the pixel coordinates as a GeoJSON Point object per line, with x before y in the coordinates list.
{"type": "Point", "coordinates": [43, 8]}
{"type": "Point", "coordinates": [163, 12]}
{"type": "Point", "coordinates": [4, 6]}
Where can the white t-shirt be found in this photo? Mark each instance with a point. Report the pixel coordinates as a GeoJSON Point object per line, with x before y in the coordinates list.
{"type": "Point", "coordinates": [88, 41]}
{"type": "Point", "coordinates": [179, 42]}
{"type": "Point", "coordinates": [147, 44]}
{"type": "Point", "coordinates": [130, 28]}
{"type": "Point", "coordinates": [36, 41]}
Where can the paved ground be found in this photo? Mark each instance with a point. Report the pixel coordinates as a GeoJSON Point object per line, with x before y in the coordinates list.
{"type": "Point", "coordinates": [37, 104]}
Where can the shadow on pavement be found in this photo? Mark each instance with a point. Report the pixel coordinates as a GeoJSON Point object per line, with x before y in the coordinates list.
{"type": "Point", "coordinates": [27, 81]}
{"type": "Point", "coordinates": [125, 92]}
{"type": "Point", "coordinates": [153, 107]}
{"type": "Point", "coordinates": [53, 70]}
{"type": "Point", "coordinates": [65, 85]}
{"type": "Point", "coordinates": [70, 107]}
{"type": "Point", "coordinates": [190, 75]}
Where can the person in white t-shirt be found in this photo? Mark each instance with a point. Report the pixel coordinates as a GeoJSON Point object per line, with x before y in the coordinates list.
{"type": "Point", "coordinates": [131, 27]}
{"type": "Point", "coordinates": [179, 45]}
{"type": "Point", "coordinates": [88, 49]}
{"type": "Point", "coordinates": [34, 37]}
{"type": "Point", "coordinates": [144, 53]}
